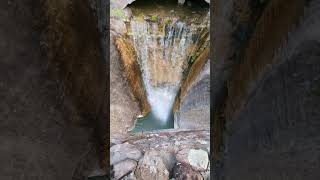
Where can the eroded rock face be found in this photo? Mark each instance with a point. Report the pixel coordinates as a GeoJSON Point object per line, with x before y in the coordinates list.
{"type": "Point", "coordinates": [133, 73]}
{"type": "Point", "coordinates": [123, 109]}
{"type": "Point", "coordinates": [272, 108]}
{"type": "Point", "coordinates": [194, 109]}
{"type": "Point", "coordinates": [50, 56]}
{"type": "Point", "coordinates": [126, 90]}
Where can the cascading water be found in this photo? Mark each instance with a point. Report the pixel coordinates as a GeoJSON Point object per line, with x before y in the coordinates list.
{"type": "Point", "coordinates": [164, 47]}
{"type": "Point", "coordinates": [161, 58]}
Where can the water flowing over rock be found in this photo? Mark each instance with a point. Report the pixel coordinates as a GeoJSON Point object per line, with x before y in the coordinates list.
{"type": "Point", "coordinates": [133, 73]}
{"type": "Point", "coordinates": [163, 48]}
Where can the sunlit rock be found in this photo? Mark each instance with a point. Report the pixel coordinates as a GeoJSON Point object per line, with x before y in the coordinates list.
{"type": "Point", "coordinates": [196, 158]}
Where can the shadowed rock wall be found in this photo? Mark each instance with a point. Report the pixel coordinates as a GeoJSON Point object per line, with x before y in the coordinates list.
{"type": "Point", "coordinates": [266, 122]}
{"type": "Point", "coordinates": [52, 90]}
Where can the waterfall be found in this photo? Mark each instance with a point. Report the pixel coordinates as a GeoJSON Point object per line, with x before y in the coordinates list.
{"type": "Point", "coordinates": [163, 49]}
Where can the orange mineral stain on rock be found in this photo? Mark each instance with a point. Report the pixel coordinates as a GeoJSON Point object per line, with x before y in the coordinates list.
{"type": "Point", "coordinates": [133, 73]}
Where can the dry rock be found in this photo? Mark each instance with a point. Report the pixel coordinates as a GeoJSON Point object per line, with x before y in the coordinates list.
{"type": "Point", "coordinates": [123, 168]}
{"type": "Point", "coordinates": [197, 159]}
{"type": "Point", "coordinates": [152, 167]}
{"type": "Point", "coordinates": [184, 171]}
{"type": "Point", "coordinates": [124, 151]}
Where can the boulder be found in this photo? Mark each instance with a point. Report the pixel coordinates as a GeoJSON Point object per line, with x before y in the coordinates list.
{"type": "Point", "coordinates": [197, 159]}
{"type": "Point", "coordinates": [151, 166]}
{"type": "Point", "coordinates": [123, 168]}
{"type": "Point", "coordinates": [124, 151]}
{"type": "Point", "coordinates": [184, 171]}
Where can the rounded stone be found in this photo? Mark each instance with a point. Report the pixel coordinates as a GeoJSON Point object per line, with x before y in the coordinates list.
{"type": "Point", "coordinates": [198, 159]}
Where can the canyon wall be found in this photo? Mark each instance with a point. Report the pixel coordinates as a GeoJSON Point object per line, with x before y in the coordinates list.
{"type": "Point", "coordinates": [192, 104]}
{"type": "Point", "coordinates": [72, 42]}
{"type": "Point", "coordinates": [127, 93]}
{"type": "Point", "coordinates": [53, 87]}
{"type": "Point", "coordinates": [265, 83]}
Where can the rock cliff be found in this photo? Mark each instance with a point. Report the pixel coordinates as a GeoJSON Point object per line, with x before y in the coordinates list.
{"type": "Point", "coordinates": [264, 76]}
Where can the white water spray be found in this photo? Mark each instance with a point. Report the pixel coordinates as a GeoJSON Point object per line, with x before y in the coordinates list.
{"type": "Point", "coordinates": [162, 54]}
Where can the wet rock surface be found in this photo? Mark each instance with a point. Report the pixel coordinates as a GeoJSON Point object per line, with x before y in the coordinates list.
{"type": "Point", "coordinates": [156, 152]}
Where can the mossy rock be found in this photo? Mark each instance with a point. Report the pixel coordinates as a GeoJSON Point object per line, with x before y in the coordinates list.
{"type": "Point", "coordinates": [154, 18]}
{"type": "Point", "coordinates": [192, 59]}
{"type": "Point", "coordinates": [167, 21]}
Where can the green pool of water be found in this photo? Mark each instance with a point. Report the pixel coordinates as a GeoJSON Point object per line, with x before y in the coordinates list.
{"type": "Point", "coordinates": [150, 123]}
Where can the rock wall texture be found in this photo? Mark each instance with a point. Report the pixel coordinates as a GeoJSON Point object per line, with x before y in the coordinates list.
{"type": "Point", "coordinates": [127, 94]}
{"type": "Point", "coordinates": [192, 103]}
{"type": "Point", "coordinates": [266, 71]}
{"type": "Point", "coordinates": [76, 56]}
{"type": "Point", "coordinates": [52, 74]}
{"type": "Point", "coordinates": [131, 70]}
{"type": "Point", "coordinates": [194, 108]}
